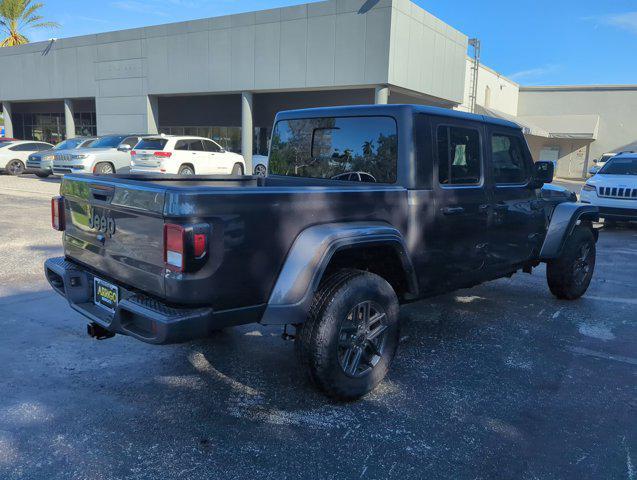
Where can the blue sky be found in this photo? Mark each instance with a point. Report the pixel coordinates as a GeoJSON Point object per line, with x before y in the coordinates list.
{"type": "Point", "coordinates": [537, 42]}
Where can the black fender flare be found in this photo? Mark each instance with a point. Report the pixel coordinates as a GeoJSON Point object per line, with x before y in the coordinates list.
{"type": "Point", "coordinates": [309, 257]}
{"type": "Point", "coordinates": [564, 219]}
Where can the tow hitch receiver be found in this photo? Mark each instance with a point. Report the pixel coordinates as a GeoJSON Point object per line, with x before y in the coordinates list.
{"type": "Point", "coordinates": [98, 332]}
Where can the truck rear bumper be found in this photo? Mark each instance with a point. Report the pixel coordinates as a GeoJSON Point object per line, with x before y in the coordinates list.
{"type": "Point", "coordinates": [137, 315]}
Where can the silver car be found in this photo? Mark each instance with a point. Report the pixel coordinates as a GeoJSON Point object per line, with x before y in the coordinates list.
{"type": "Point", "coordinates": [107, 154]}
{"type": "Point", "coordinates": [41, 163]}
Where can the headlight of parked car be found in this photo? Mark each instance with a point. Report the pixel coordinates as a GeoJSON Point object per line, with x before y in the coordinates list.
{"type": "Point", "coordinates": [588, 188]}
{"type": "Point", "coordinates": [80, 156]}
{"type": "Point", "coordinates": [48, 158]}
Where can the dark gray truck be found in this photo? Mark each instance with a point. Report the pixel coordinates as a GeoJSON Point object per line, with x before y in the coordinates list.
{"type": "Point", "coordinates": [365, 208]}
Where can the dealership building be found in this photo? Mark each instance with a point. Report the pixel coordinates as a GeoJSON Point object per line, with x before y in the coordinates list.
{"type": "Point", "coordinates": [226, 77]}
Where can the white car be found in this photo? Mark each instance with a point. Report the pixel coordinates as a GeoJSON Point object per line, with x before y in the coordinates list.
{"type": "Point", "coordinates": [614, 189]}
{"type": "Point", "coordinates": [184, 156]}
{"type": "Point", "coordinates": [107, 154]}
{"type": "Point", "coordinates": [14, 155]}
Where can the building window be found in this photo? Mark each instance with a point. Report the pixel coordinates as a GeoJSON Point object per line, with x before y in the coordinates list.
{"type": "Point", "coordinates": [85, 124]}
{"type": "Point", "coordinates": [43, 127]}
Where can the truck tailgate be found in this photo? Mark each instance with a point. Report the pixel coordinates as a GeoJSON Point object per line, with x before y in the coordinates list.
{"type": "Point", "coordinates": [116, 229]}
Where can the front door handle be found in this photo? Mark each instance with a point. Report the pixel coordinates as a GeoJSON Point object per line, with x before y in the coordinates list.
{"type": "Point", "coordinates": [484, 207]}
{"type": "Point", "coordinates": [452, 210]}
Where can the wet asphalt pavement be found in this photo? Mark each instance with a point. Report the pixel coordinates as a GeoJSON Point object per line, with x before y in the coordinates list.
{"type": "Point", "coordinates": [500, 381]}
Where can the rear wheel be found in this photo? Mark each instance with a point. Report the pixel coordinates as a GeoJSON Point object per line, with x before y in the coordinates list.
{"type": "Point", "coordinates": [237, 169]}
{"type": "Point", "coordinates": [15, 167]}
{"type": "Point", "coordinates": [351, 334]}
{"type": "Point", "coordinates": [43, 175]}
{"type": "Point", "coordinates": [570, 275]}
{"type": "Point", "coordinates": [104, 168]}
{"type": "Point", "coordinates": [186, 170]}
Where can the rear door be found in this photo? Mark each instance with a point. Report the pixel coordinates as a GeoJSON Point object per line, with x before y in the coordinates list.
{"type": "Point", "coordinates": [518, 211]}
{"type": "Point", "coordinates": [462, 205]}
{"type": "Point", "coordinates": [116, 229]}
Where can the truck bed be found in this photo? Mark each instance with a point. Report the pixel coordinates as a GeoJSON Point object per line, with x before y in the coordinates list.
{"type": "Point", "coordinates": [253, 223]}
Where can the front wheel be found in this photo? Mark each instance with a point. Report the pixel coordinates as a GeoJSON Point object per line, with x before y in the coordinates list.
{"type": "Point", "coordinates": [43, 175]}
{"type": "Point", "coordinates": [237, 169]}
{"type": "Point", "coordinates": [260, 170]}
{"type": "Point", "coordinates": [570, 275]}
{"type": "Point", "coordinates": [15, 167]}
{"type": "Point", "coordinates": [104, 168]}
{"type": "Point", "coordinates": [351, 335]}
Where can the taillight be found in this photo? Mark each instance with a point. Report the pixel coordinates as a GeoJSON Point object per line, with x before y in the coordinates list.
{"type": "Point", "coordinates": [163, 154]}
{"type": "Point", "coordinates": [185, 246]}
{"type": "Point", "coordinates": [174, 247]}
{"type": "Point", "coordinates": [57, 213]}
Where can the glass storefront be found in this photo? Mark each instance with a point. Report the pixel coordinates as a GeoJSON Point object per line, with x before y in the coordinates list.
{"type": "Point", "coordinates": [51, 127]}
{"type": "Point", "coordinates": [228, 137]}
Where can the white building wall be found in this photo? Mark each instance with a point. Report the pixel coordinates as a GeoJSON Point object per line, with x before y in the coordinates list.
{"type": "Point", "coordinates": [426, 54]}
{"type": "Point", "coordinates": [503, 93]}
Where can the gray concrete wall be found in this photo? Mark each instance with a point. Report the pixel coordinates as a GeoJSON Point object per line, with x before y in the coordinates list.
{"type": "Point", "coordinates": [333, 44]}
{"type": "Point", "coordinates": [615, 105]}
{"type": "Point", "coordinates": [426, 54]}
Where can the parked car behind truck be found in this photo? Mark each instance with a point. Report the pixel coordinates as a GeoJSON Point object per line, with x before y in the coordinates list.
{"type": "Point", "coordinates": [184, 156]}
{"type": "Point", "coordinates": [41, 163]}
{"type": "Point", "coordinates": [456, 202]}
{"type": "Point", "coordinates": [108, 154]}
{"type": "Point", "coordinates": [14, 154]}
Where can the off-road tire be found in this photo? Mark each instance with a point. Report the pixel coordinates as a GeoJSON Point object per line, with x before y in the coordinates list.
{"type": "Point", "coordinates": [43, 175]}
{"type": "Point", "coordinates": [104, 168]}
{"type": "Point", "coordinates": [317, 341]}
{"type": "Point", "coordinates": [15, 167]}
{"type": "Point", "coordinates": [237, 169]}
{"type": "Point", "coordinates": [565, 280]}
{"type": "Point", "coordinates": [186, 170]}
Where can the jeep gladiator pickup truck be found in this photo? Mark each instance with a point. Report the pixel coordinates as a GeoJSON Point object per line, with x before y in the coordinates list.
{"type": "Point", "coordinates": [438, 200]}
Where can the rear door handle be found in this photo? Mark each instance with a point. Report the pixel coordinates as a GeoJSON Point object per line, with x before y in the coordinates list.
{"type": "Point", "coordinates": [452, 210]}
{"type": "Point", "coordinates": [484, 207]}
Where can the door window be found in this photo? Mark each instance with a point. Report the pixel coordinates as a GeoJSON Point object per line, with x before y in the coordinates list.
{"type": "Point", "coordinates": [193, 145]}
{"type": "Point", "coordinates": [509, 160]}
{"type": "Point", "coordinates": [459, 159]}
{"type": "Point", "coordinates": [211, 146]}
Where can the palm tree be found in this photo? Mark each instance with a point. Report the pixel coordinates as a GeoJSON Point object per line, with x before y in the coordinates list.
{"type": "Point", "coordinates": [16, 16]}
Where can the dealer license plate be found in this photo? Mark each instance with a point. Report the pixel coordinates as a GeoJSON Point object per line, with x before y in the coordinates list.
{"type": "Point", "coordinates": [105, 295]}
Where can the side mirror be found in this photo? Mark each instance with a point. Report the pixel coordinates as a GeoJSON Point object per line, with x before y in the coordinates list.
{"type": "Point", "coordinates": [124, 147]}
{"type": "Point", "coordinates": [542, 173]}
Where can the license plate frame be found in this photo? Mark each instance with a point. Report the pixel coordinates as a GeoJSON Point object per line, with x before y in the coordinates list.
{"type": "Point", "coordinates": [105, 294]}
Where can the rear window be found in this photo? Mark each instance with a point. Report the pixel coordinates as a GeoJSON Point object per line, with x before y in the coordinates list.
{"type": "Point", "coordinates": [151, 144]}
{"type": "Point", "coordinates": [332, 147]}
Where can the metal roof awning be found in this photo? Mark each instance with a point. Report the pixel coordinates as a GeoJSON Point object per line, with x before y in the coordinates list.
{"type": "Point", "coordinates": [576, 127]}
{"type": "Point", "coordinates": [528, 128]}
{"type": "Point", "coordinates": [580, 127]}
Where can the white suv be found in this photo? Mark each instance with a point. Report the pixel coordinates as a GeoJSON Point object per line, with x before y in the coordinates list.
{"type": "Point", "coordinates": [14, 155]}
{"type": "Point", "coordinates": [614, 189]}
{"type": "Point", "coordinates": [184, 156]}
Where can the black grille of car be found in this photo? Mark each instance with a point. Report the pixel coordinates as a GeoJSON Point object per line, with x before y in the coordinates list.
{"type": "Point", "coordinates": [617, 192]}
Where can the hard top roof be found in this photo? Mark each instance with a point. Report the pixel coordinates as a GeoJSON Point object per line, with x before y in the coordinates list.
{"type": "Point", "coordinates": [392, 110]}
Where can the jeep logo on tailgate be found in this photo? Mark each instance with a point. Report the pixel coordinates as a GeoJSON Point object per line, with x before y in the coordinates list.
{"type": "Point", "coordinates": [102, 223]}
